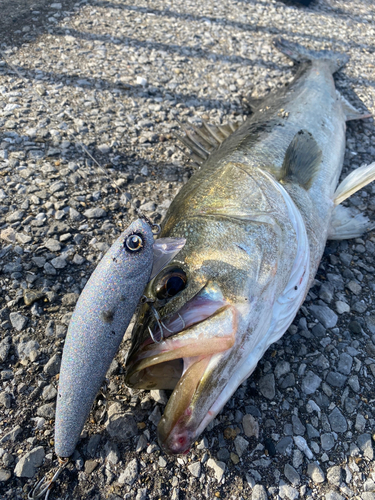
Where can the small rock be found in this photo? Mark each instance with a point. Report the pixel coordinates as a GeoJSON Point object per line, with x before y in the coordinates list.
{"type": "Point", "coordinates": [52, 368]}
{"type": "Point", "coordinates": [336, 379]}
{"type": "Point", "coordinates": [334, 475]}
{"type": "Point", "coordinates": [155, 416]}
{"type": "Point", "coordinates": [26, 467]}
{"type": "Point", "coordinates": [130, 474]}
{"type": "Point", "coordinates": [121, 426]}
{"type": "Point", "coordinates": [327, 441]}
{"type": "Point", "coordinates": [292, 475]}
{"type": "Point", "coordinates": [47, 411]}
{"type": "Point", "coordinates": [310, 382]}
{"type": "Point", "coordinates": [365, 444]}
{"type": "Point", "coordinates": [5, 399]}
{"type": "Point", "coordinates": [70, 299]}
{"type": "Point", "coordinates": [259, 493]}
{"type": "Point", "coordinates": [250, 426]}
{"type": "Point", "coordinates": [195, 469]}
{"type": "Point", "coordinates": [95, 213]}
{"type": "Point", "coordinates": [337, 421]}
{"type": "Point", "coordinates": [345, 363]}
{"type": "Point", "coordinates": [12, 435]}
{"type": "Point", "coordinates": [360, 423]}
{"type": "Point", "coordinates": [325, 315]}
{"type": "Point", "coordinates": [90, 466]}
{"type": "Point", "coordinates": [315, 472]}
{"type": "Point", "coordinates": [5, 475]}
{"type": "Point", "coordinates": [333, 495]}
{"type": "Point", "coordinates": [287, 492]}
{"type": "Point", "coordinates": [342, 307]}
{"type": "Point", "coordinates": [301, 444]}
{"type": "Point", "coordinates": [59, 263]}
{"type": "Point", "coordinates": [218, 467]}
{"type": "Point", "coordinates": [18, 321]}
{"type": "Point", "coordinates": [267, 386]}
{"type": "Point", "coordinates": [52, 245]}
{"type": "Point", "coordinates": [240, 444]}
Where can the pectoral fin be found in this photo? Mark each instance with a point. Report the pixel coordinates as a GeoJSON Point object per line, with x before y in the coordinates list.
{"type": "Point", "coordinates": [302, 160]}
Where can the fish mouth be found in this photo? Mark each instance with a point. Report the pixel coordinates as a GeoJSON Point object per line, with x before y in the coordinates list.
{"type": "Point", "coordinates": [183, 360]}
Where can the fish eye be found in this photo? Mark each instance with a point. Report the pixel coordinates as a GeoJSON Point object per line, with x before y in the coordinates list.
{"type": "Point", "coordinates": [133, 243]}
{"type": "Point", "coordinates": [173, 282]}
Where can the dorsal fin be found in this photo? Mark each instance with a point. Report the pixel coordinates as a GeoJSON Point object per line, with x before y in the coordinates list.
{"type": "Point", "coordinates": [202, 140]}
{"type": "Point", "coordinates": [302, 159]}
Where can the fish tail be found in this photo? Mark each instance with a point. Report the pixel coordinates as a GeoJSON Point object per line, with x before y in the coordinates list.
{"type": "Point", "coordinates": [299, 54]}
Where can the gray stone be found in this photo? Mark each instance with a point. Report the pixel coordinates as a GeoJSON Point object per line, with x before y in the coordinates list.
{"type": "Point", "coordinates": [218, 467]}
{"type": "Point", "coordinates": [15, 216]}
{"type": "Point", "coordinates": [336, 379]}
{"type": "Point", "coordinates": [282, 368]}
{"type": "Point", "coordinates": [325, 315]}
{"type": "Point", "coordinates": [121, 426]}
{"type": "Point", "coordinates": [241, 445]}
{"type": "Point", "coordinates": [130, 474]}
{"type": "Point", "coordinates": [315, 472]}
{"type": "Point", "coordinates": [365, 444]}
{"type": "Point", "coordinates": [368, 495]}
{"type": "Point", "coordinates": [327, 441]}
{"type": "Point", "coordinates": [52, 245]}
{"type": "Point", "coordinates": [287, 492]}
{"type": "Point", "coordinates": [18, 321]}
{"type": "Point", "coordinates": [4, 349]}
{"type": "Point", "coordinates": [337, 421]}
{"type": "Point", "coordinates": [259, 493]}
{"type": "Point", "coordinates": [74, 215]}
{"type": "Point", "coordinates": [310, 382]}
{"type": "Point", "coordinates": [49, 393]}
{"type": "Point", "coordinates": [298, 427]}
{"type": "Point", "coordinates": [311, 431]}
{"type": "Point", "coordinates": [360, 422]}
{"type": "Point", "coordinates": [47, 411]}
{"type": "Point", "coordinates": [95, 213]}
{"type": "Point", "coordinates": [334, 475]}
{"type": "Point", "coordinates": [353, 383]}
{"type": "Point", "coordinates": [342, 307]}
{"type": "Point", "coordinates": [285, 445]}
{"type": "Point", "coordinates": [292, 475]}
{"type": "Point", "coordinates": [5, 399]}
{"type": "Point", "coordinates": [370, 323]}
{"type": "Point", "coordinates": [155, 416]}
{"type": "Point", "coordinates": [250, 426]}
{"type": "Point", "coordinates": [93, 444]}
{"type": "Point", "coordinates": [5, 475]}
{"type": "Point", "coordinates": [52, 368]}
{"type": "Point", "coordinates": [11, 435]}
{"type": "Point", "coordinates": [59, 263]}
{"type": "Point", "coordinates": [333, 495]}
{"type": "Point", "coordinates": [195, 469]}
{"type": "Point", "coordinates": [369, 485]}
{"type": "Point", "coordinates": [345, 363]}
{"type": "Point", "coordinates": [26, 466]}
{"type": "Point", "coordinates": [267, 386]}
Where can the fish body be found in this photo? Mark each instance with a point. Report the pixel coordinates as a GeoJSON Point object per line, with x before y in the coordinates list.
{"type": "Point", "coordinates": [99, 321]}
{"type": "Point", "coordinates": [256, 218]}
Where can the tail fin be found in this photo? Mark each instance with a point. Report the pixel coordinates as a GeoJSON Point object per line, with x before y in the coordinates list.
{"type": "Point", "coordinates": [299, 54]}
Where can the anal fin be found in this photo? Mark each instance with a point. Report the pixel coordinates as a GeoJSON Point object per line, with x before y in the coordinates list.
{"type": "Point", "coordinates": [355, 181]}
{"type": "Point", "coordinates": [346, 225]}
{"type": "Point", "coordinates": [302, 159]}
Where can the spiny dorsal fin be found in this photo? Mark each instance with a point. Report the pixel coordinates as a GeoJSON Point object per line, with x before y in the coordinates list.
{"type": "Point", "coordinates": [202, 140]}
{"type": "Point", "coordinates": [302, 159]}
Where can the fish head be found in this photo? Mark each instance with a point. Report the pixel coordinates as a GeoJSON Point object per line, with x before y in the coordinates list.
{"type": "Point", "coordinates": [200, 311]}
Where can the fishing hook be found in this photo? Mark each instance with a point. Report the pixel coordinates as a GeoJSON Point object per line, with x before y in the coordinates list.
{"type": "Point", "coordinates": [40, 488]}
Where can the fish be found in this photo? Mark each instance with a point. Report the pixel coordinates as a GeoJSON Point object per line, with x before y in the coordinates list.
{"type": "Point", "coordinates": [99, 321]}
{"type": "Point", "coordinates": [256, 217]}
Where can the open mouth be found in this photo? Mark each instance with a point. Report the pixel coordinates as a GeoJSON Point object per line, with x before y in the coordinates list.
{"type": "Point", "coordinates": [202, 328]}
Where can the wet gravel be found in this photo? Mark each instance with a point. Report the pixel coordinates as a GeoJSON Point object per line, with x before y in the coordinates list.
{"type": "Point", "coordinates": [114, 77]}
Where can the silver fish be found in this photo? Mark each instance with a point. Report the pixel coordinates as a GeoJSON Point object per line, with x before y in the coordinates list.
{"type": "Point", "coordinates": [256, 218]}
{"type": "Point", "coordinates": [102, 314]}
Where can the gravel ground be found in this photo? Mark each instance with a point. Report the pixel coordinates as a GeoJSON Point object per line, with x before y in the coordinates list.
{"type": "Point", "coordinates": [116, 76]}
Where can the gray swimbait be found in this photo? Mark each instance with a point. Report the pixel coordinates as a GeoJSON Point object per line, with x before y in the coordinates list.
{"type": "Point", "coordinates": [256, 218]}
{"type": "Point", "coordinates": [102, 314]}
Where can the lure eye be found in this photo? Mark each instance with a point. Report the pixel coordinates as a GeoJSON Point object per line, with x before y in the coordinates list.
{"type": "Point", "coordinates": [173, 282]}
{"type": "Point", "coordinates": [133, 243]}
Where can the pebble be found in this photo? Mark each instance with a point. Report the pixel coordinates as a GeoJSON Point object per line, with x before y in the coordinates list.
{"type": "Point", "coordinates": [288, 492]}
{"type": "Point", "coordinates": [315, 472]}
{"type": "Point", "coordinates": [259, 493]}
{"type": "Point", "coordinates": [53, 366]}
{"type": "Point", "coordinates": [95, 213]}
{"type": "Point", "coordinates": [120, 425]}
{"type": "Point", "coordinates": [267, 386]}
{"type": "Point", "coordinates": [195, 469]}
{"type": "Point", "coordinates": [334, 475]}
{"type": "Point", "coordinates": [241, 444]}
{"type": "Point", "coordinates": [337, 421]}
{"type": "Point", "coordinates": [28, 463]}
{"type": "Point", "coordinates": [325, 315]}
{"type": "Point", "coordinates": [130, 474]}
{"type": "Point", "coordinates": [301, 444]}
{"type": "Point", "coordinates": [364, 442]}
{"type": "Point", "coordinates": [250, 426]}
{"type": "Point", "coordinates": [18, 321]}
{"type": "Point", "coordinates": [218, 468]}
{"type": "Point", "coordinates": [336, 379]}
{"type": "Point", "coordinates": [292, 475]}
{"type": "Point", "coordinates": [310, 383]}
